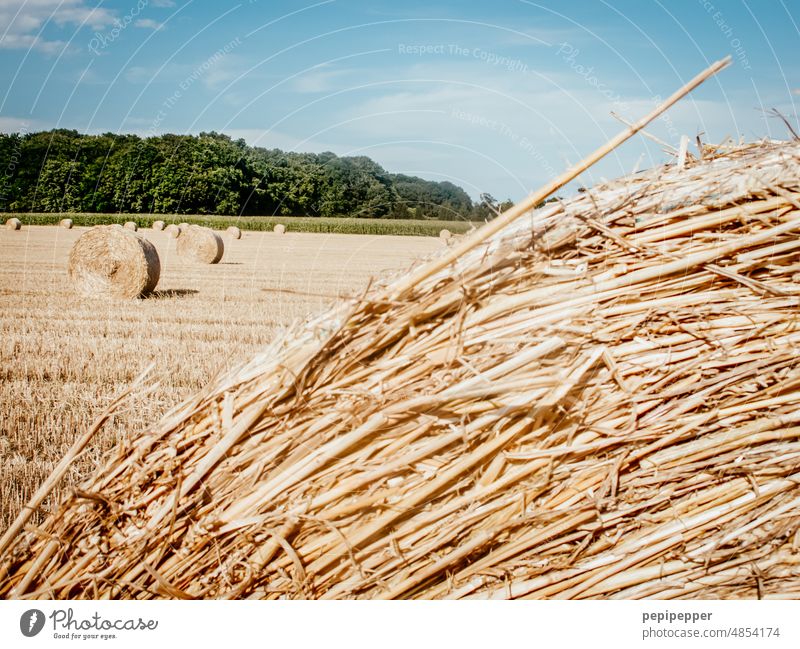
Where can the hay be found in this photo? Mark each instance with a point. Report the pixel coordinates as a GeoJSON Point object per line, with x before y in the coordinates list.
{"type": "Point", "coordinates": [13, 224]}
{"type": "Point", "coordinates": [109, 261]}
{"type": "Point", "coordinates": [66, 223]}
{"type": "Point", "coordinates": [200, 244]}
{"type": "Point", "coordinates": [131, 225]}
{"type": "Point", "coordinates": [158, 225]}
{"type": "Point", "coordinates": [174, 231]}
{"type": "Point", "coordinates": [280, 228]}
{"type": "Point", "coordinates": [600, 401]}
{"type": "Point", "coordinates": [233, 232]}
{"type": "Point", "coordinates": [183, 226]}
{"type": "Point", "coordinates": [596, 400]}
{"type": "Point", "coordinates": [445, 235]}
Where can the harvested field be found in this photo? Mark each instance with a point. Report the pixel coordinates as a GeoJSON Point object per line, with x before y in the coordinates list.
{"type": "Point", "coordinates": [62, 358]}
{"type": "Point", "coordinates": [598, 400]}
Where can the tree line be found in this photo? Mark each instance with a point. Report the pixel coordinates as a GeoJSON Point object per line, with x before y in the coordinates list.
{"type": "Point", "coordinates": [65, 171]}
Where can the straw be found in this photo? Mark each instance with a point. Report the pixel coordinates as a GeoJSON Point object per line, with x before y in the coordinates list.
{"type": "Point", "coordinates": [598, 400]}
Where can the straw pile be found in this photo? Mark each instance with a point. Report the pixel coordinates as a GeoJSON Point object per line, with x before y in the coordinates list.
{"type": "Point", "coordinates": [233, 232]}
{"type": "Point", "coordinates": [158, 225]}
{"type": "Point", "coordinates": [66, 223]}
{"type": "Point", "coordinates": [200, 244]}
{"type": "Point", "coordinates": [280, 228]}
{"type": "Point", "coordinates": [600, 400]}
{"type": "Point", "coordinates": [445, 235]}
{"type": "Point", "coordinates": [109, 261]}
{"type": "Point", "coordinates": [174, 231]}
{"type": "Point", "coordinates": [13, 224]}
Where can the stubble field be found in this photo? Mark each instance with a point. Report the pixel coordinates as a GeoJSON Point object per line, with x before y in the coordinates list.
{"type": "Point", "coordinates": [63, 359]}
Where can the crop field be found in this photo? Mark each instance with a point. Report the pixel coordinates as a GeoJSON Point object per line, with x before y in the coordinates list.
{"type": "Point", "coordinates": [63, 358]}
{"type": "Point", "coordinates": [327, 225]}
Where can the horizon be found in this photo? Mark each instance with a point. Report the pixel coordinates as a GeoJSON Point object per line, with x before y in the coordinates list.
{"type": "Point", "coordinates": [496, 100]}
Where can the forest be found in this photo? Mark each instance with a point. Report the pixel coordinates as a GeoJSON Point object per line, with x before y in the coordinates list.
{"type": "Point", "coordinates": [210, 173]}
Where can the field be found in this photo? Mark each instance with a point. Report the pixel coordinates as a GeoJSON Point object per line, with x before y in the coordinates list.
{"type": "Point", "coordinates": [327, 225]}
{"type": "Point", "coordinates": [63, 359]}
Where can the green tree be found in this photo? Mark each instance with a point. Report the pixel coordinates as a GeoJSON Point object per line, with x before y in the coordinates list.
{"type": "Point", "coordinates": [62, 170]}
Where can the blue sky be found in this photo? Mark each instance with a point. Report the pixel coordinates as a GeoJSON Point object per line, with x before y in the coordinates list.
{"type": "Point", "coordinates": [494, 96]}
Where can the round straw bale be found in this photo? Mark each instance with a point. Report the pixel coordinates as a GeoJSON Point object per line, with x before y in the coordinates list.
{"type": "Point", "coordinates": [200, 244]}
{"type": "Point", "coordinates": [66, 223]}
{"type": "Point", "coordinates": [13, 224]}
{"type": "Point", "coordinates": [445, 234]}
{"type": "Point", "coordinates": [109, 261]}
{"type": "Point", "coordinates": [279, 229]}
{"type": "Point", "coordinates": [233, 232]}
{"type": "Point", "coordinates": [183, 225]}
{"type": "Point", "coordinates": [131, 225]}
{"type": "Point", "coordinates": [174, 231]}
{"type": "Point", "coordinates": [158, 225]}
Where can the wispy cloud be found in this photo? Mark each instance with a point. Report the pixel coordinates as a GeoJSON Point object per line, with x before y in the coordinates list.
{"type": "Point", "coordinates": [322, 78]}
{"type": "Point", "coordinates": [148, 23]}
{"type": "Point", "coordinates": [24, 20]}
{"type": "Point", "coordinates": [213, 73]}
{"type": "Point", "coordinates": [21, 125]}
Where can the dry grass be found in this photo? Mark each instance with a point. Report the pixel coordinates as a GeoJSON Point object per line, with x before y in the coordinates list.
{"type": "Point", "coordinates": [63, 359]}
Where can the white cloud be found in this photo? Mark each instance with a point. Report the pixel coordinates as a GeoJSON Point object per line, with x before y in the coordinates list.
{"type": "Point", "coordinates": [319, 79]}
{"type": "Point", "coordinates": [213, 73]}
{"type": "Point", "coordinates": [148, 23]}
{"type": "Point", "coordinates": [223, 70]}
{"type": "Point", "coordinates": [138, 74]}
{"type": "Point", "coordinates": [21, 125]}
{"type": "Point", "coordinates": [25, 41]}
{"type": "Point", "coordinates": [25, 18]}
{"type": "Point", "coordinates": [162, 3]}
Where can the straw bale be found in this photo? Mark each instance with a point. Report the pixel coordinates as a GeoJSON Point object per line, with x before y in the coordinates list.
{"type": "Point", "coordinates": [109, 261]}
{"type": "Point", "coordinates": [200, 244]}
